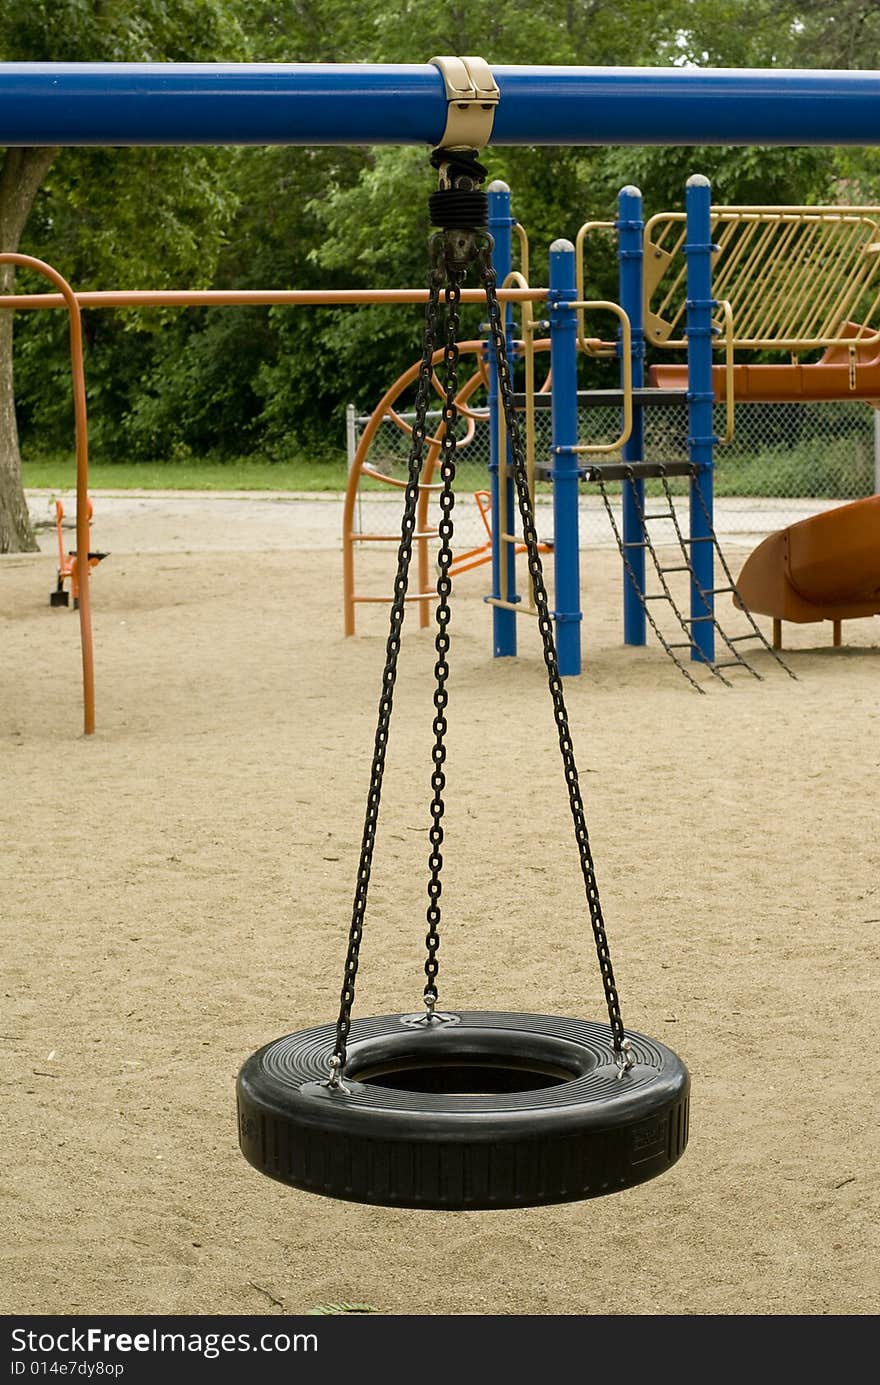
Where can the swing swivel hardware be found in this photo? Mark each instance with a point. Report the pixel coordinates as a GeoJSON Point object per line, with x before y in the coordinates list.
{"type": "Point", "coordinates": [441, 1018]}
{"type": "Point", "coordinates": [624, 1058]}
{"type": "Point", "coordinates": [459, 206]}
{"type": "Point", "coordinates": [334, 1081]}
{"type": "Point", "coordinates": [471, 97]}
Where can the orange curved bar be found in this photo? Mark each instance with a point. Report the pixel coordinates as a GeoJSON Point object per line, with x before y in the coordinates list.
{"type": "Point", "coordinates": [465, 561]}
{"type": "Point", "coordinates": [479, 377]}
{"type": "Point", "coordinates": [823, 568]}
{"type": "Point", "coordinates": [405, 427]}
{"type": "Point", "coordinates": [396, 480]}
{"type": "Point", "coordinates": [69, 299]}
{"type": "Point", "coordinates": [349, 535]}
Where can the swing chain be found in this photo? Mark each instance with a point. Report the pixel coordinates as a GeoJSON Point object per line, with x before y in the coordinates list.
{"type": "Point", "coordinates": [489, 279]}
{"type": "Point", "coordinates": [389, 675]}
{"type": "Point", "coordinates": [451, 251]}
{"type": "Point", "coordinates": [452, 299]}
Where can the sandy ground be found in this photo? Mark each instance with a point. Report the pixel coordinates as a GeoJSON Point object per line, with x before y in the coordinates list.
{"type": "Point", "coordinates": [177, 891]}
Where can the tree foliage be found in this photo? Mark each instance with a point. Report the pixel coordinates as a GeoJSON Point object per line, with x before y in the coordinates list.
{"type": "Point", "coordinates": [229, 381]}
{"type": "Point", "coordinates": [123, 215]}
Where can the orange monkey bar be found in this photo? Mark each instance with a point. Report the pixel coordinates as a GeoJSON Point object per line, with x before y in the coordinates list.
{"type": "Point", "coordinates": [351, 536]}
{"type": "Point", "coordinates": [240, 298]}
{"type": "Point", "coordinates": [425, 589]}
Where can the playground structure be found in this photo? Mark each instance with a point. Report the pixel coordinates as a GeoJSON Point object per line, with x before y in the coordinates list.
{"type": "Point", "coordinates": [849, 360]}
{"type": "Point", "coordinates": [136, 104]}
{"type": "Point", "coordinates": [793, 278]}
{"type": "Point", "coordinates": [798, 280]}
{"type": "Point", "coordinates": [75, 303]}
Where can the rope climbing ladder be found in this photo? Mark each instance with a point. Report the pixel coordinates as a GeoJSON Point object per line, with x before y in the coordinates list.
{"type": "Point", "coordinates": [600, 476]}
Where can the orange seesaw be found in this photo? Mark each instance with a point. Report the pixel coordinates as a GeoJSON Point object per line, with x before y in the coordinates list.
{"type": "Point", "coordinates": [68, 567]}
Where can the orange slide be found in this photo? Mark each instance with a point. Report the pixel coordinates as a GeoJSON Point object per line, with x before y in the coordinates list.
{"type": "Point", "coordinates": [823, 568]}
{"type": "Point", "coordinates": [838, 375]}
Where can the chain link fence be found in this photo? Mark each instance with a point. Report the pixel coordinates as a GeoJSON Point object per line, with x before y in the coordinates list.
{"type": "Point", "coordinates": [786, 461]}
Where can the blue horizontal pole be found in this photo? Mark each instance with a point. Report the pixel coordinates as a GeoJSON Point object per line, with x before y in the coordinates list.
{"type": "Point", "coordinates": [360, 103]}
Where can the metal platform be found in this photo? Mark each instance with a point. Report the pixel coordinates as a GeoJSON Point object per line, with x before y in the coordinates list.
{"type": "Point", "coordinates": [642, 398]}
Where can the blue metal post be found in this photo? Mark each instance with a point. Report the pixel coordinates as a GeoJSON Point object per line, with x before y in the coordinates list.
{"type": "Point", "coordinates": [701, 396]}
{"type": "Point", "coordinates": [503, 517]}
{"type": "Point", "coordinates": [629, 229]}
{"type": "Point", "coordinates": [564, 412]}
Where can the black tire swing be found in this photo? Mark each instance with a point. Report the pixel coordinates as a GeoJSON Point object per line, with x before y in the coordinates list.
{"type": "Point", "coordinates": [473, 1109]}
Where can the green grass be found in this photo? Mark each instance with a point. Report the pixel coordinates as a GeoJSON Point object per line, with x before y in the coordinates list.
{"type": "Point", "coordinates": [59, 473]}
{"type": "Point", "coordinates": [839, 468]}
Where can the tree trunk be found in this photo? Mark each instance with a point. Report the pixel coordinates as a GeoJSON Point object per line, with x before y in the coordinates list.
{"type": "Point", "coordinates": [21, 174]}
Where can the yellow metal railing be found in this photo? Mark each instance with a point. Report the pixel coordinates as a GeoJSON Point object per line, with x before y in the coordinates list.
{"type": "Point", "coordinates": [589, 345]}
{"type": "Point", "coordinates": [516, 279]}
{"type": "Point", "coordinates": [793, 277]}
{"type": "Point", "coordinates": [523, 239]}
{"type": "Point", "coordinates": [729, 390]}
{"type": "Point", "coordinates": [603, 305]}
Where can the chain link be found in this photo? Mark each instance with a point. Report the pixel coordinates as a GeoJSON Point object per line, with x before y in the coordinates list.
{"type": "Point", "coordinates": [452, 299]}
{"type": "Point", "coordinates": [545, 626]}
{"type": "Point", "coordinates": [389, 676]}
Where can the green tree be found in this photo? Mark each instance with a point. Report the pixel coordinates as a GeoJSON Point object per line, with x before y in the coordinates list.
{"type": "Point", "coordinates": [173, 191]}
{"type": "Point", "coordinates": [369, 222]}
{"type": "Point", "coordinates": [234, 380]}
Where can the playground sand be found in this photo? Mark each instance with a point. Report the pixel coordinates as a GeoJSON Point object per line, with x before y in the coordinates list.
{"type": "Point", "coordinates": [177, 891]}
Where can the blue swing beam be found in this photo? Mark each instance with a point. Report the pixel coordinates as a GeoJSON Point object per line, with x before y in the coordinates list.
{"type": "Point", "coordinates": [363, 103]}
{"type": "Point", "coordinates": [115, 104]}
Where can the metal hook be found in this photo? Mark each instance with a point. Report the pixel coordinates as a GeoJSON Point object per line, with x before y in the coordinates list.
{"type": "Point", "coordinates": [624, 1058]}
{"type": "Point", "coordinates": [334, 1081]}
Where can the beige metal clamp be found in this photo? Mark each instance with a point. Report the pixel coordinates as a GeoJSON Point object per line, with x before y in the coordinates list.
{"type": "Point", "coordinates": [471, 96]}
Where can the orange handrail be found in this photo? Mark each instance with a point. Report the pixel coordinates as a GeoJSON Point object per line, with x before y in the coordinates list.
{"type": "Point", "coordinates": [77, 367]}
